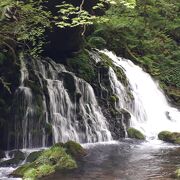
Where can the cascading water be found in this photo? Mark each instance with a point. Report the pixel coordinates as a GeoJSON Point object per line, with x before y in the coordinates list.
{"type": "Point", "coordinates": [150, 111]}
{"type": "Point", "coordinates": [65, 104]}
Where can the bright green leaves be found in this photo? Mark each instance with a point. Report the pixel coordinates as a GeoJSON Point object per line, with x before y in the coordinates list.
{"type": "Point", "coordinates": [70, 16]}
{"type": "Point", "coordinates": [24, 24]}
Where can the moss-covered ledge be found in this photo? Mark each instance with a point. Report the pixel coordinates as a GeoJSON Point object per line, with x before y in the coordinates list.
{"type": "Point", "coordinates": [58, 157]}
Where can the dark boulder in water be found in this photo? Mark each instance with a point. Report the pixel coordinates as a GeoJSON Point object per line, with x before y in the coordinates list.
{"type": "Point", "coordinates": [16, 158]}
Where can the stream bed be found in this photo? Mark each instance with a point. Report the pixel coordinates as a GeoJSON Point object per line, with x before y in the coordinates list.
{"type": "Point", "coordinates": [126, 160]}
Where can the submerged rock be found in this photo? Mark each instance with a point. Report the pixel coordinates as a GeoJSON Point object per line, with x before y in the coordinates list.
{"type": "Point", "coordinates": [58, 157]}
{"type": "Point", "coordinates": [134, 133]}
{"type": "Point", "coordinates": [171, 137]}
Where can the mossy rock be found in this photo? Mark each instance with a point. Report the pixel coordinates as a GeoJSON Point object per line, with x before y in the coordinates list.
{"type": "Point", "coordinates": [17, 158]}
{"type": "Point", "coordinates": [33, 156]}
{"type": "Point", "coordinates": [47, 163]}
{"type": "Point", "coordinates": [113, 99]}
{"type": "Point", "coordinates": [19, 172]}
{"type": "Point", "coordinates": [177, 174]}
{"type": "Point", "coordinates": [75, 149]}
{"type": "Point", "coordinates": [134, 133]}
{"type": "Point", "coordinates": [171, 137]}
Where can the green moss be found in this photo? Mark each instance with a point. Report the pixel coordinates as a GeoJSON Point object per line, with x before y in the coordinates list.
{"type": "Point", "coordinates": [172, 137]}
{"type": "Point", "coordinates": [19, 172]}
{"type": "Point", "coordinates": [75, 149]}
{"type": "Point", "coordinates": [134, 133]}
{"type": "Point", "coordinates": [44, 170]}
{"type": "Point", "coordinates": [97, 42]}
{"type": "Point", "coordinates": [48, 162]}
{"type": "Point", "coordinates": [163, 135]}
{"type": "Point", "coordinates": [82, 66]}
{"type": "Point", "coordinates": [105, 60]}
{"type": "Point", "coordinates": [30, 174]}
{"type": "Point", "coordinates": [177, 174]}
{"type": "Point", "coordinates": [113, 99]}
{"type": "Point", "coordinates": [121, 76]}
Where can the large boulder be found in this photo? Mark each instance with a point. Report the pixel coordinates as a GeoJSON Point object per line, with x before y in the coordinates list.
{"type": "Point", "coordinates": [134, 133]}
{"type": "Point", "coordinates": [171, 137]}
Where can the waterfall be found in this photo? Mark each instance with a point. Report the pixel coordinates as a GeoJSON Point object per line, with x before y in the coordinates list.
{"type": "Point", "coordinates": [149, 109]}
{"type": "Point", "coordinates": [59, 102]}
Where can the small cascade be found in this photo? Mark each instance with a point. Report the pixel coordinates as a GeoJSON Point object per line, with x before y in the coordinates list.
{"type": "Point", "coordinates": [53, 105]}
{"type": "Point", "coordinates": [24, 108]}
{"type": "Point", "coordinates": [150, 111]}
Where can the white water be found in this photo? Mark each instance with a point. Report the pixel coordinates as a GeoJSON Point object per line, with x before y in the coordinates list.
{"type": "Point", "coordinates": [91, 126]}
{"type": "Point", "coordinates": [150, 111]}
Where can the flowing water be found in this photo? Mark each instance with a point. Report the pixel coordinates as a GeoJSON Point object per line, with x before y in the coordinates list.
{"type": "Point", "coordinates": [67, 104]}
{"type": "Point", "coordinates": [150, 111]}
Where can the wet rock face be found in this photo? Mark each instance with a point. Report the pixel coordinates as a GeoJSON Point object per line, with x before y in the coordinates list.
{"type": "Point", "coordinates": [119, 120]}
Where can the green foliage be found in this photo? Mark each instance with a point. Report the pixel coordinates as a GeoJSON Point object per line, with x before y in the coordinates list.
{"type": "Point", "coordinates": [70, 16]}
{"type": "Point", "coordinates": [23, 24]}
{"type": "Point", "coordinates": [134, 133]}
{"type": "Point", "coordinates": [146, 32]}
{"type": "Point", "coordinates": [97, 42]}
